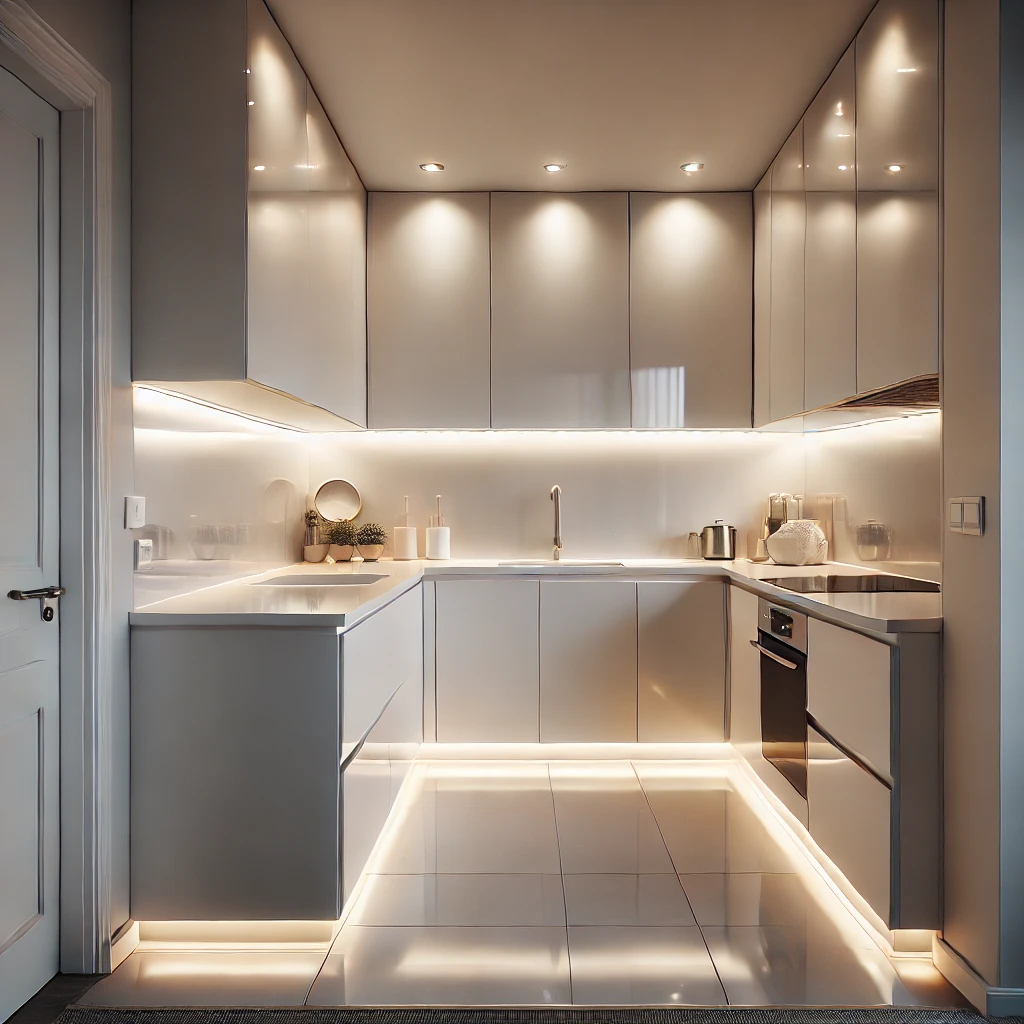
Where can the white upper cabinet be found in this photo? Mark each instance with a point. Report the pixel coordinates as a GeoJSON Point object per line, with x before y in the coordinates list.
{"type": "Point", "coordinates": [897, 200]}
{"type": "Point", "coordinates": [249, 239]}
{"type": "Point", "coordinates": [690, 309]}
{"type": "Point", "coordinates": [830, 259]}
{"type": "Point", "coordinates": [559, 310]}
{"type": "Point", "coordinates": [898, 97]}
{"type": "Point", "coordinates": [762, 297]}
{"type": "Point", "coordinates": [788, 227]}
{"type": "Point", "coordinates": [428, 315]}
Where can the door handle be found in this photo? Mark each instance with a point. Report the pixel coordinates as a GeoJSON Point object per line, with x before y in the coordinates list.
{"type": "Point", "coordinates": [768, 654]}
{"type": "Point", "coordinates": [46, 596]}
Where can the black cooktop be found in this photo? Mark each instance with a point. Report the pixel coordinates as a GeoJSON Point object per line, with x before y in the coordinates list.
{"type": "Point", "coordinates": [876, 583]}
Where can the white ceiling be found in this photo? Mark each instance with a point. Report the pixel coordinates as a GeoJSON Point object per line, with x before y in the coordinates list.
{"type": "Point", "coordinates": [621, 91]}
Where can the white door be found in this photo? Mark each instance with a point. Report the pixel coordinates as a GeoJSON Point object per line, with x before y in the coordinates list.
{"type": "Point", "coordinates": [29, 543]}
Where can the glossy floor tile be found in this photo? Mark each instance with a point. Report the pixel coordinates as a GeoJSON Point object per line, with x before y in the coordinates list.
{"type": "Point", "coordinates": [783, 967]}
{"type": "Point", "coordinates": [446, 966]}
{"type": "Point", "coordinates": [605, 883]}
{"type": "Point", "coordinates": [645, 966]}
{"type": "Point", "coordinates": [222, 978]}
{"type": "Point", "coordinates": [497, 821]}
{"type": "Point", "coordinates": [471, 899]}
{"type": "Point", "coordinates": [604, 822]}
{"type": "Point", "coordinates": [654, 900]}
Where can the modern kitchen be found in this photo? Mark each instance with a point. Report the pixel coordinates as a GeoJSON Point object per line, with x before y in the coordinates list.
{"type": "Point", "coordinates": [555, 547]}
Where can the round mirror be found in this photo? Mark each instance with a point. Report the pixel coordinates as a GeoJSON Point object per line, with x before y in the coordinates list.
{"type": "Point", "coordinates": [337, 500]}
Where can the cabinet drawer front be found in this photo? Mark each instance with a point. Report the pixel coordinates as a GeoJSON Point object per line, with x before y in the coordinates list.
{"type": "Point", "coordinates": [849, 690]}
{"type": "Point", "coordinates": [850, 818]}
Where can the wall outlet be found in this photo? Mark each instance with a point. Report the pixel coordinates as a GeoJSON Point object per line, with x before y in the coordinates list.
{"type": "Point", "coordinates": [967, 515]}
{"type": "Point", "coordinates": [134, 512]}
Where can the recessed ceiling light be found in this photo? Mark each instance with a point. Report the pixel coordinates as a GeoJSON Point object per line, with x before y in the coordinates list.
{"type": "Point", "coordinates": [259, 167]}
{"type": "Point", "coordinates": [554, 168]}
{"type": "Point", "coordinates": [252, 103]}
{"type": "Point", "coordinates": [895, 167]}
{"type": "Point", "coordinates": [906, 71]}
{"type": "Point", "coordinates": [432, 167]}
{"type": "Point", "coordinates": [843, 167]}
{"type": "Point", "coordinates": [248, 71]}
{"type": "Point", "coordinates": [844, 135]}
{"type": "Point", "coordinates": [691, 167]}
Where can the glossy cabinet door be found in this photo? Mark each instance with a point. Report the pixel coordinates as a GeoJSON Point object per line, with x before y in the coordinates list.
{"type": "Point", "coordinates": [487, 661]}
{"type": "Point", "coordinates": [897, 287]}
{"type": "Point", "coordinates": [830, 257]}
{"type": "Point", "coordinates": [898, 97]}
{"type": "Point", "coordinates": [336, 270]}
{"type": "Point", "coordinates": [690, 309]}
{"type": "Point", "coordinates": [897, 200]}
{"type": "Point", "coordinates": [278, 293]}
{"type": "Point", "coordinates": [559, 310]}
{"type": "Point", "coordinates": [429, 315]}
{"type": "Point", "coordinates": [850, 818]}
{"type": "Point", "coordinates": [849, 690]}
{"type": "Point", "coordinates": [588, 662]}
{"type": "Point", "coordinates": [365, 802]}
{"type": "Point", "coordinates": [788, 224]}
{"type": "Point", "coordinates": [681, 662]}
{"type": "Point", "coordinates": [762, 297]}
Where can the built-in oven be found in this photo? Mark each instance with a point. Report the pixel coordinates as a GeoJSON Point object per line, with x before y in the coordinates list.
{"type": "Point", "coordinates": [782, 644]}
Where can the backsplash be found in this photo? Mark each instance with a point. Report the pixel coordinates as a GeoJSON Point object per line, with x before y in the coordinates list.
{"type": "Point", "coordinates": [629, 494]}
{"type": "Point", "coordinates": [624, 493]}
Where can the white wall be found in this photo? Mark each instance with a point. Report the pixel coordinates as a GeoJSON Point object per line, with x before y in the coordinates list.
{"type": "Point", "coordinates": [227, 472]}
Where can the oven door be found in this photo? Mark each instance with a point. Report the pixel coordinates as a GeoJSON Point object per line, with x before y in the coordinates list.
{"type": "Point", "coordinates": [784, 709]}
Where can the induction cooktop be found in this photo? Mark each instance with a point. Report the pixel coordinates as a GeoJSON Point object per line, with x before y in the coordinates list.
{"type": "Point", "coordinates": [875, 583]}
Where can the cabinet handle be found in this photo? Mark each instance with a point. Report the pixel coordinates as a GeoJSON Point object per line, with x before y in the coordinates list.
{"type": "Point", "coordinates": [774, 657]}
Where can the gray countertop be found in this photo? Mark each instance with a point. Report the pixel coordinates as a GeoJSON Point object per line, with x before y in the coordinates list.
{"type": "Point", "coordinates": [240, 603]}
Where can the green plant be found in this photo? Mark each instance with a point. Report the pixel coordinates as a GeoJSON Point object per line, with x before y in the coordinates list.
{"type": "Point", "coordinates": [371, 533]}
{"type": "Point", "coordinates": [342, 533]}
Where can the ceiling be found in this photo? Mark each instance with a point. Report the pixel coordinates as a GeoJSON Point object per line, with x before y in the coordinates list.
{"type": "Point", "coordinates": [620, 91]}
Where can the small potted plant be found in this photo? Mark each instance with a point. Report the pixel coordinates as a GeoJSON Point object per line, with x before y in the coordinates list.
{"type": "Point", "coordinates": [313, 548]}
{"type": "Point", "coordinates": [370, 539]}
{"type": "Point", "coordinates": [342, 539]}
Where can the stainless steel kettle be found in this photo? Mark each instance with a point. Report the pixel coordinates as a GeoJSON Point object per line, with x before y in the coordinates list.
{"type": "Point", "coordinates": [718, 541]}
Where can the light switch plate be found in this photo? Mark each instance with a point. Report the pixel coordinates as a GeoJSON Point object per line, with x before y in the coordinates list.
{"type": "Point", "coordinates": [134, 511]}
{"type": "Point", "coordinates": [967, 515]}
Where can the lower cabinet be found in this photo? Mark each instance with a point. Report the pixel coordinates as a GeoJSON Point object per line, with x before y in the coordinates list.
{"type": "Point", "coordinates": [579, 661]}
{"type": "Point", "coordinates": [265, 762]}
{"type": "Point", "coordinates": [588, 661]}
{"type": "Point", "coordinates": [850, 818]}
{"type": "Point", "coordinates": [487, 661]}
{"type": "Point", "coordinates": [744, 675]}
{"type": "Point", "coordinates": [680, 662]}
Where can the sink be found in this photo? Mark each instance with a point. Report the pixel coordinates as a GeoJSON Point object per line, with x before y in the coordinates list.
{"type": "Point", "coordinates": [561, 561]}
{"type": "Point", "coordinates": [350, 579]}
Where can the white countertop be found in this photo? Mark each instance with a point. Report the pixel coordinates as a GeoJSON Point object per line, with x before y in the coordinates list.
{"type": "Point", "coordinates": [239, 603]}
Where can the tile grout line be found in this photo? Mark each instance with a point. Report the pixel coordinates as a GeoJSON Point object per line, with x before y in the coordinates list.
{"type": "Point", "coordinates": [561, 878]}
{"type": "Point", "coordinates": [675, 870]}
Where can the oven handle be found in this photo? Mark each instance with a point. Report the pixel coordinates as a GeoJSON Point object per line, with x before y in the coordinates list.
{"type": "Point", "coordinates": [764, 650]}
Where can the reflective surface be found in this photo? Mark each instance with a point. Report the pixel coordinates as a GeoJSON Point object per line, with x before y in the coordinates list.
{"type": "Point", "coordinates": [875, 583]}
{"type": "Point", "coordinates": [593, 883]}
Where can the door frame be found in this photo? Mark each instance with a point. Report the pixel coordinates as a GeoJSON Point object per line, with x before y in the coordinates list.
{"type": "Point", "coordinates": [33, 51]}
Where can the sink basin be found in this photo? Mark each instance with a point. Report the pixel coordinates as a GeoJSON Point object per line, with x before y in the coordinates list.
{"type": "Point", "coordinates": [561, 561]}
{"type": "Point", "coordinates": [350, 579]}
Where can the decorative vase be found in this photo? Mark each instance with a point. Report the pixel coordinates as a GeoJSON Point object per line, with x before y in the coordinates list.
{"type": "Point", "coordinates": [342, 552]}
{"type": "Point", "coordinates": [370, 552]}
{"type": "Point", "coordinates": [314, 552]}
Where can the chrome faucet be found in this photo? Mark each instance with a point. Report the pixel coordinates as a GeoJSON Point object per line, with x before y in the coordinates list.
{"type": "Point", "coordinates": [556, 497]}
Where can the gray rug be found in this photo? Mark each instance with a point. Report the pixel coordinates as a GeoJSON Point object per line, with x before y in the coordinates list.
{"type": "Point", "coordinates": [463, 1015]}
